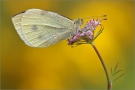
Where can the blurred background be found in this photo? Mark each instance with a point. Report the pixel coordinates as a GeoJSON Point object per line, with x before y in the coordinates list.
{"type": "Point", "coordinates": [60, 66]}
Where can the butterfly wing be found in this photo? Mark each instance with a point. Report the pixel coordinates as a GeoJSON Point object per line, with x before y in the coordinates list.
{"type": "Point", "coordinates": [17, 24]}
{"type": "Point", "coordinates": [44, 28]}
{"type": "Point", "coordinates": [56, 38]}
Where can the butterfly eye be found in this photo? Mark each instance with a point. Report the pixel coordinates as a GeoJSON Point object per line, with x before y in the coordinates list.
{"type": "Point", "coordinates": [78, 21]}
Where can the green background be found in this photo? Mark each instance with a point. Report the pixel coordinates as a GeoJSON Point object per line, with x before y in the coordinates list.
{"type": "Point", "coordinates": [60, 66]}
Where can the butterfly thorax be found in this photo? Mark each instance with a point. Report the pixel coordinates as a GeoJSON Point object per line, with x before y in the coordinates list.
{"type": "Point", "coordinates": [77, 23]}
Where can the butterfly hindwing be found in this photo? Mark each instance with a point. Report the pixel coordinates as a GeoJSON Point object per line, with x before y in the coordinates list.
{"type": "Point", "coordinates": [17, 24]}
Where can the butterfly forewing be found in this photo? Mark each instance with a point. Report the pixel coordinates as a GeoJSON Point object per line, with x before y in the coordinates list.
{"type": "Point", "coordinates": [41, 17]}
{"type": "Point", "coordinates": [44, 28]}
{"type": "Point", "coordinates": [61, 36]}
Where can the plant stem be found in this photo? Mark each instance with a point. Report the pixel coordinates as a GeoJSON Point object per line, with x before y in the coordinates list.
{"type": "Point", "coordinates": [109, 82]}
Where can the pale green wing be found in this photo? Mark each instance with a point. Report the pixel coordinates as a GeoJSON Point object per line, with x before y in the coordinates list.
{"type": "Point", "coordinates": [58, 37]}
{"type": "Point", "coordinates": [45, 35]}
{"type": "Point", "coordinates": [17, 24]}
{"type": "Point", "coordinates": [40, 27]}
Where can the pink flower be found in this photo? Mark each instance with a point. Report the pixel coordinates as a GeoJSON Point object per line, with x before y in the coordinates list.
{"type": "Point", "coordinates": [86, 33]}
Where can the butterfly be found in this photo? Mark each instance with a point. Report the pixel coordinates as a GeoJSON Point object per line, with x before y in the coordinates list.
{"type": "Point", "coordinates": [41, 28]}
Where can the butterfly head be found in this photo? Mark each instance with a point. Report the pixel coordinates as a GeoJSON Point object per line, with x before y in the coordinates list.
{"type": "Point", "coordinates": [78, 22]}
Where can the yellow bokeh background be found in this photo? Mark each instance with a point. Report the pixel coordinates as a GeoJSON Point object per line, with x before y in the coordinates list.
{"type": "Point", "coordinates": [60, 66]}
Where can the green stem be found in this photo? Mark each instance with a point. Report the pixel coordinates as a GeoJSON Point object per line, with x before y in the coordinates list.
{"type": "Point", "coordinates": [109, 82]}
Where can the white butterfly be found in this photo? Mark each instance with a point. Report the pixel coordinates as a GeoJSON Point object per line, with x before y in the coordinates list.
{"type": "Point", "coordinates": [40, 28]}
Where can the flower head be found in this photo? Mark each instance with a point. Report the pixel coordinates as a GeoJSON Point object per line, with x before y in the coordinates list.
{"type": "Point", "coordinates": [85, 34]}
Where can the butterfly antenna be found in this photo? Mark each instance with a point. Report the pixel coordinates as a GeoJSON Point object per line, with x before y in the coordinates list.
{"type": "Point", "coordinates": [103, 17]}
